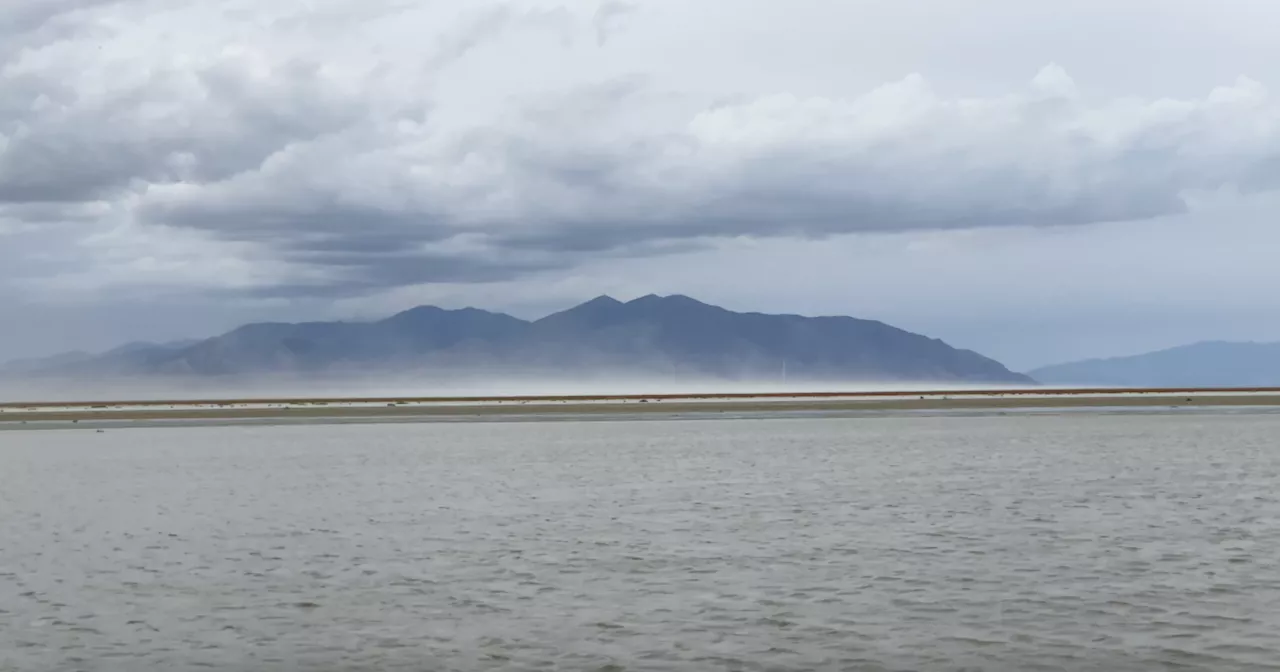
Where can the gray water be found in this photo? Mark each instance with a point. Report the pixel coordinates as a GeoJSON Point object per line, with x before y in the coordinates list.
{"type": "Point", "coordinates": [1014, 543]}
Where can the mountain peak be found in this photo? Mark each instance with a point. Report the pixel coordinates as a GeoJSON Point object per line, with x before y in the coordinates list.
{"type": "Point", "coordinates": [672, 307]}
{"type": "Point", "coordinates": [605, 309]}
{"type": "Point", "coordinates": [671, 299]}
{"type": "Point", "coordinates": [604, 300]}
{"type": "Point", "coordinates": [427, 314]}
{"type": "Point", "coordinates": [417, 310]}
{"type": "Point", "coordinates": [597, 311]}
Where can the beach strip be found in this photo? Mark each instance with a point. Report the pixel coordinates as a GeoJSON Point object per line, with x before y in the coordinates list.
{"type": "Point", "coordinates": [14, 415]}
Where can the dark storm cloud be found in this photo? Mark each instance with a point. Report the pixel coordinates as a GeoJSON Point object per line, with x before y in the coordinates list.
{"type": "Point", "coordinates": [568, 184]}
{"type": "Point", "coordinates": [352, 274]}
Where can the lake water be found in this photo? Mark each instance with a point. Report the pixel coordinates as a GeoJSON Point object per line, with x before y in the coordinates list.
{"type": "Point", "coordinates": [1004, 543]}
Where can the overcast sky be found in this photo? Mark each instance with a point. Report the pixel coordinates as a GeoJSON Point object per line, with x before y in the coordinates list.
{"type": "Point", "coordinates": [1036, 180]}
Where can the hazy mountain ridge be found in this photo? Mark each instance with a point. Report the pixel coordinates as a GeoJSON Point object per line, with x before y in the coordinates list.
{"type": "Point", "coordinates": [1205, 364]}
{"type": "Point", "coordinates": [673, 335]}
{"type": "Point", "coordinates": [121, 358]}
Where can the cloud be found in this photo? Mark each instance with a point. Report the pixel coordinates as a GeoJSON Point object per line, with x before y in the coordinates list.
{"type": "Point", "coordinates": [199, 124]}
{"type": "Point", "coordinates": [280, 155]}
{"type": "Point", "coordinates": [491, 22]}
{"type": "Point", "coordinates": [609, 17]}
{"type": "Point", "coordinates": [32, 24]}
{"type": "Point", "coordinates": [581, 177]}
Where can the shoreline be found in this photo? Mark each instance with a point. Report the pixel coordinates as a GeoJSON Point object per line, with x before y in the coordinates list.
{"type": "Point", "coordinates": [696, 396]}
{"type": "Point", "coordinates": [99, 414]}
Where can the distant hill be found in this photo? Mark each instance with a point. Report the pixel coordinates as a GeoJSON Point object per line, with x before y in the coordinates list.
{"type": "Point", "coordinates": [672, 335]}
{"type": "Point", "coordinates": [1208, 364]}
{"type": "Point", "coordinates": [126, 357]}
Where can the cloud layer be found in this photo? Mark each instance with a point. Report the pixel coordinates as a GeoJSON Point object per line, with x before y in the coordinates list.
{"type": "Point", "coordinates": [313, 171]}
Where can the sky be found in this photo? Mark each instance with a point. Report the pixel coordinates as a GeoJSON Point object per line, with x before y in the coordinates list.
{"type": "Point", "coordinates": [1036, 180]}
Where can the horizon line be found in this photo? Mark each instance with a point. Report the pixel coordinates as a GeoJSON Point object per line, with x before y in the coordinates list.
{"type": "Point", "coordinates": [934, 392]}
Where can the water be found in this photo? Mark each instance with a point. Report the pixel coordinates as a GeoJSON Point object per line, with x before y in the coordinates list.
{"type": "Point", "coordinates": [1008, 543]}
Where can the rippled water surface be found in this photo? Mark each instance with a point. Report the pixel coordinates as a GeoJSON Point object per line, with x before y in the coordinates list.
{"type": "Point", "coordinates": [1008, 543]}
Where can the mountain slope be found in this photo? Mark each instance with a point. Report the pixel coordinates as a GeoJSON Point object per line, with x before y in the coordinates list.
{"type": "Point", "coordinates": [1208, 364]}
{"type": "Point", "coordinates": [400, 339]}
{"type": "Point", "coordinates": [684, 336]}
{"type": "Point", "coordinates": [125, 358]}
{"type": "Point", "coordinates": [673, 335]}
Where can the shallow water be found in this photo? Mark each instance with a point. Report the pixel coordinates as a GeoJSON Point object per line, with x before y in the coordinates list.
{"type": "Point", "coordinates": [1007, 543]}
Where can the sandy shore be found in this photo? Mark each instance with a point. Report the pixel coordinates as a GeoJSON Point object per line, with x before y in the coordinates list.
{"type": "Point", "coordinates": [233, 411]}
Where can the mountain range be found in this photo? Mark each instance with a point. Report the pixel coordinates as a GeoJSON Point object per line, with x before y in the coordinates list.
{"type": "Point", "coordinates": [665, 335]}
{"type": "Point", "coordinates": [1207, 364]}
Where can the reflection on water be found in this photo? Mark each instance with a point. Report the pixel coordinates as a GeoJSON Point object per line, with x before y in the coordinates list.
{"type": "Point", "coordinates": [1019, 543]}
